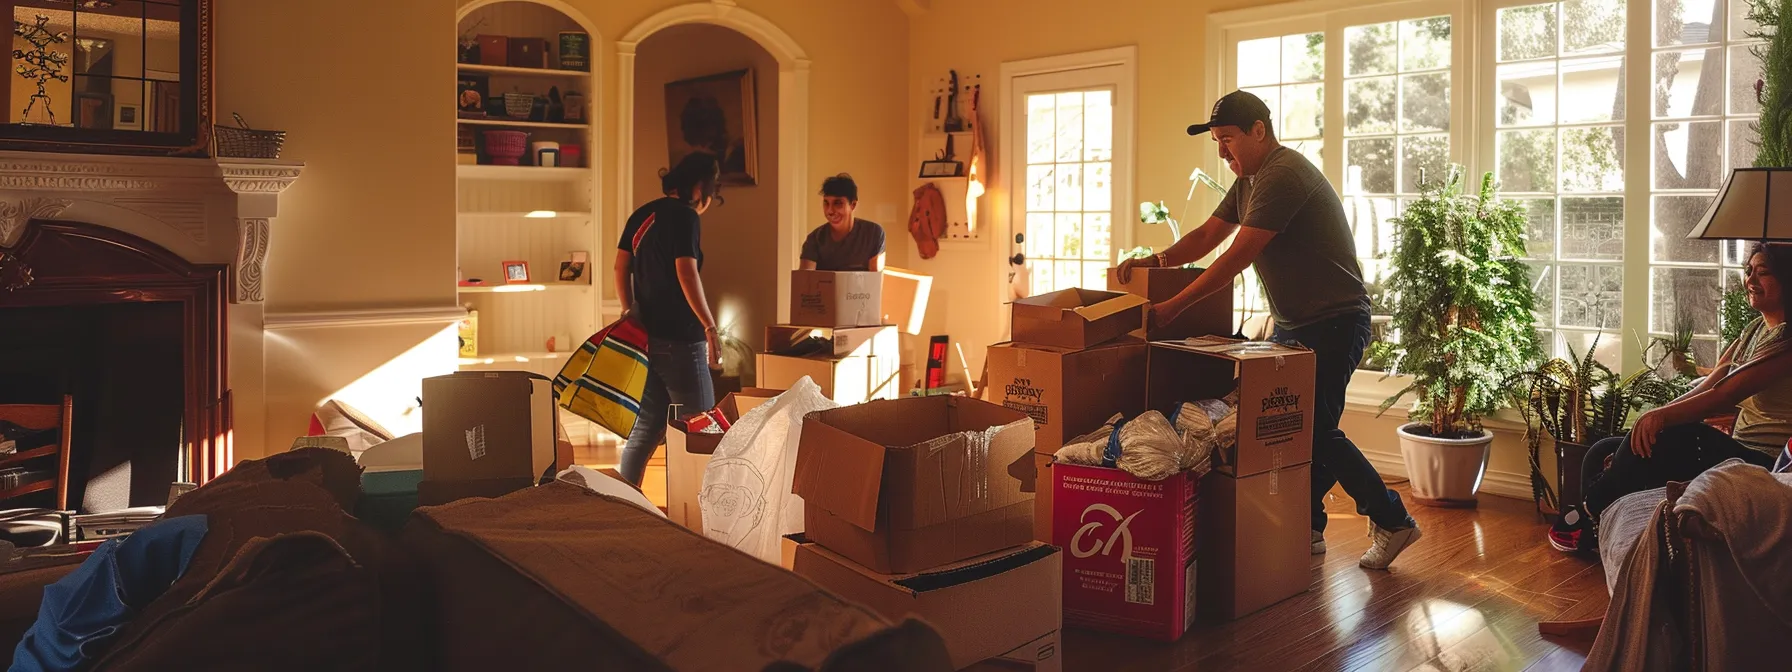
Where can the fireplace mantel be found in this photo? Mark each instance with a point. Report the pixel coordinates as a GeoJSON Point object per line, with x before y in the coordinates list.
{"type": "Point", "coordinates": [204, 210]}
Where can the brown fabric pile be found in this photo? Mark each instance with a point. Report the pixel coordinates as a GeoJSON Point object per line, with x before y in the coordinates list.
{"type": "Point", "coordinates": [285, 580]}
{"type": "Point", "coordinates": [559, 577]}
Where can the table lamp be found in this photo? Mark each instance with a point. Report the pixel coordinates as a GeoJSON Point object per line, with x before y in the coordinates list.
{"type": "Point", "coordinates": [1754, 204]}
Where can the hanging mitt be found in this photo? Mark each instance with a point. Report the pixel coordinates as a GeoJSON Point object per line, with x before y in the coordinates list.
{"type": "Point", "coordinates": [927, 222]}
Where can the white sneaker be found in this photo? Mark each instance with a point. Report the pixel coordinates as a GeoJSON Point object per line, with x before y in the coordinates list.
{"type": "Point", "coordinates": [1387, 545]}
{"type": "Point", "coordinates": [1318, 543]}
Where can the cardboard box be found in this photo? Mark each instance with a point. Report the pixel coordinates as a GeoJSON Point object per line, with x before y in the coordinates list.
{"type": "Point", "coordinates": [905, 299]}
{"type": "Point", "coordinates": [1255, 540]}
{"type": "Point", "coordinates": [984, 607]}
{"type": "Point", "coordinates": [1040, 655]}
{"type": "Point", "coordinates": [1275, 396]}
{"type": "Point", "coordinates": [1068, 393]}
{"type": "Point", "coordinates": [1129, 565]}
{"type": "Point", "coordinates": [1211, 317]}
{"type": "Point", "coordinates": [480, 425]}
{"type": "Point", "coordinates": [836, 299]}
{"type": "Point", "coordinates": [687, 455]}
{"type": "Point", "coordinates": [1044, 483]}
{"type": "Point", "coordinates": [903, 485]}
{"type": "Point", "coordinates": [847, 380]}
{"type": "Point", "coordinates": [795, 340]}
{"type": "Point", "coordinates": [598, 583]}
{"type": "Point", "coordinates": [1076, 318]}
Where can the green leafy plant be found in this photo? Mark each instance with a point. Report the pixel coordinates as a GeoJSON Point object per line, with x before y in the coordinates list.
{"type": "Point", "coordinates": [1735, 314]}
{"type": "Point", "coordinates": [1462, 303]}
{"type": "Point", "coordinates": [1774, 89]}
{"type": "Point", "coordinates": [1675, 358]}
{"type": "Point", "coordinates": [1136, 253]}
{"type": "Point", "coordinates": [1581, 400]}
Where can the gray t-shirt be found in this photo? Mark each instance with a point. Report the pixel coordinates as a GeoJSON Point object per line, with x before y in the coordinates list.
{"type": "Point", "coordinates": [1309, 270]}
{"type": "Point", "coordinates": [853, 253]}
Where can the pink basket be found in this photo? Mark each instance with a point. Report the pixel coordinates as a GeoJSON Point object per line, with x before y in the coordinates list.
{"type": "Point", "coordinates": [506, 148]}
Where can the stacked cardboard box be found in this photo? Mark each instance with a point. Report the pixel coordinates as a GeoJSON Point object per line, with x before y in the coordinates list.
{"type": "Point", "coordinates": [1070, 367]}
{"type": "Point", "coordinates": [485, 434]}
{"type": "Point", "coordinates": [1212, 316]}
{"type": "Point", "coordinates": [837, 336]}
{"type": "Point", "coordinates": [915, 506]}
{"type": "Point", "coordinates": [688, 453]}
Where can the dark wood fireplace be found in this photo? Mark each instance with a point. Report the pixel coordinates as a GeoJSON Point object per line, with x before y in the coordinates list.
{"type": "Point", "coordinates": [137, 334]}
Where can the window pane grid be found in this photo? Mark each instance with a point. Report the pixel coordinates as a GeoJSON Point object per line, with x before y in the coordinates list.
{"type": "Point", "coordinates": [1069, 189]}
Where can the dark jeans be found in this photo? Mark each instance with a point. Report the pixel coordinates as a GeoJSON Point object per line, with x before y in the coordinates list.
{"type": "Point", "coordinates": [1337, 346]}
{"type": "Point", "coordinates": [1681, 453]}
{"type": "Point", "coordinates": [677, 373]}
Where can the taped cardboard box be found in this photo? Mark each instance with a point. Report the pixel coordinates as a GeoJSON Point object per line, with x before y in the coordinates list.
{"type": "Point", "coordinates": [687, 454]}
{"type": "Point", "coordinates": [1040, 655]}
{"type": "Point", "coordinates": [846, 380]}
{"type": "Point", "coordinates": [559, 576]}
{"type": "Point", "coordinates": [800, 341]}
{"type": "Point", "coordinates": [1275, 396]}
{"type": "Point", "coordinates": [836, 298]}
{"type": "Point", "coordinates": [1255, 540]}
{"type": "Point", "coordinates": [1044, 483]}
{"type": "Point", "coordinates": [908, 484]}
{"type": "Point", "coordinates": [1212, 316]}
{"type": "Point", "coordinates": [484, 425]}
{"type": "Point", "coordinates": [905, 299]}
{"type": "Point", "coordinates": [984, 607]}
{"type": "Point", "coordinates": [1076, 318]}
{"type": "Point", "coordinates": [1068, 393]}
{"type": "Point", "coordinates": [1130, 566]}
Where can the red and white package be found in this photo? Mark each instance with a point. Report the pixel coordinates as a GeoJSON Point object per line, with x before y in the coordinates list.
{"type": "Point", "coordinates": [1129, 550]}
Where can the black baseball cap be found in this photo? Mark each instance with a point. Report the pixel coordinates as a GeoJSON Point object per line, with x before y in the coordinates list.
{"type": "Point", "coordinates": [1237, 108]}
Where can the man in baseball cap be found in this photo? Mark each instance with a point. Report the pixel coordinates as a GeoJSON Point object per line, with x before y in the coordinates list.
{"type": "Point", "coordinates": [1291, 227]}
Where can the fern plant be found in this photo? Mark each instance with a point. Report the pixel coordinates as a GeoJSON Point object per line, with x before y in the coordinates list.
{"type": "Point", "coordinates": [1775, 87]}
{"type": "Point", "coordinates": [1462, 302]}
{"type": "Point", "coordinates": [1735, 316]}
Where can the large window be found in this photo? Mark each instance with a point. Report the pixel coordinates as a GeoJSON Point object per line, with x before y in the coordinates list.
{"type": "Point", "coordinates": [1070, 188]}
{"type": "Point", "coordinates": [1613, 143]}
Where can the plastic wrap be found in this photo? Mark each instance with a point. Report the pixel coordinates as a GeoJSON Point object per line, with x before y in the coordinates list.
{"type": "Point", "coordinates": [1146, 446]}
{"type": "Point", "coordinates": [746, 499]}
{"type": "Point", "coordinates": [1193, 423]}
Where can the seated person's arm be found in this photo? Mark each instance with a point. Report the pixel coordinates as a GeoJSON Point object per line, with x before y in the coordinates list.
{"type": "Point", "coordinates": [1723, 394]}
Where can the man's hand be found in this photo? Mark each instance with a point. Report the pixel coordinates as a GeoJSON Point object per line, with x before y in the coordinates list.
{"type": "Point", "coordinates": [715, 347]}
{"type": "Point", "coordinates": [1643, 435]}
{"type": "Point", "coordinates": [1126, 266]}
{"type": "Point", "coordinates": [1159, 314]}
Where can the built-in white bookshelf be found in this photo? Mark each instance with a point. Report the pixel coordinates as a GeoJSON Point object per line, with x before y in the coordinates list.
{"type": "Point", "coordinates": [537, 215]}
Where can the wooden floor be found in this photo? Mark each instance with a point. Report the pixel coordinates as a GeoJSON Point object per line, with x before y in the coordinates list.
{"type": "Point", "coordinates": [1468, 596]}
{"type": "Point", "coordinates": [1465, 597]}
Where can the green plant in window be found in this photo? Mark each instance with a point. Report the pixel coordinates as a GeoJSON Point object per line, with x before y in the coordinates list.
{"type": "Point", "coordinates": [1462, 303]}
{"type": "Point", "coordinates": [1775, 86]}
{"type": "Point", "coordinates": [1735, 315]}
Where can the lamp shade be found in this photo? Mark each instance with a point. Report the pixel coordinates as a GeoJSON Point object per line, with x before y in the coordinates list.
{"type": "Point", "coordinates": [1755, 204]}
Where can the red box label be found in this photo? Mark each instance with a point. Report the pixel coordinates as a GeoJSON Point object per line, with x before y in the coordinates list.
{"type": "Point", "coordinates": [1129, 561]}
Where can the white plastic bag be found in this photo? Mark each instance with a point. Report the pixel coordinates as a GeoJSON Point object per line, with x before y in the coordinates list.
{"type": "Point", "coordinates": [746, 499]}
{"type": "Point", "coordinates": [603, 484]}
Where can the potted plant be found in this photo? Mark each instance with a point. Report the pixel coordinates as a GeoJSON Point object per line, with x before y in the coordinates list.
{"type": "Point", "coordinates": [1675, 359]}
{"type": "Point", "coordinates": [1462, 309]}
{"type": "Point", "coordinates": [1578, 401]}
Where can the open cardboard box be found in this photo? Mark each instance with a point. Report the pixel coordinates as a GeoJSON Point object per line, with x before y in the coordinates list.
{"type": "Point", "coordinates": [486, 433]}
{"type": "Point", "coordinates": [985, 607]}
{"type": "Point", "coordinates": [908, 484]}
{"type": "Point", "coordinates": [905, 299]}
{"type": "Point", "coordinates": [846, 380]}
{"type": "Point", "coordinates": [1210, 317]}
{"type": "Point", "coordinates": [881, 341]}
{"type": "Point", "coordinates": [1275, 396]}
{"type": "Point", "coordinates": [1076, 318]}
{"type": "Point", "coordinates": [1068, 393]}
{"type": "Point", "coordinates": [836, 298]}
{"type": "Point", "coordinates": [688, 453]}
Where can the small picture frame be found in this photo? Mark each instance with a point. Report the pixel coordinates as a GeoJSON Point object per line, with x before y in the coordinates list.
{"type": "Point", "coordinates": [942, 168]}
{"type": "Point", "coordinates": [572, 271]}
{"type": "Point", "coordinates": [516, 272]}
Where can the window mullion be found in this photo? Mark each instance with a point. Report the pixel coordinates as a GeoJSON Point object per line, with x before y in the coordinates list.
{"type": "Point", "coordinates": [1638, 111]}
{"type": "Point", "coordinates": [1333, 136]}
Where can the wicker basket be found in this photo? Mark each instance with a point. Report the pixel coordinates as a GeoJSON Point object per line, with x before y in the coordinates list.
{"type": "Point", "coordinates": [242, 142]}
{"type": "Point", "coordinates": [519, 105]}
{"type": "Point", "coordinates": [506, 148]}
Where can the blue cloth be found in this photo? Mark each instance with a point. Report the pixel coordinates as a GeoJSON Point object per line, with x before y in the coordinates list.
{"type": "Point", "coordinates": [84, 609]}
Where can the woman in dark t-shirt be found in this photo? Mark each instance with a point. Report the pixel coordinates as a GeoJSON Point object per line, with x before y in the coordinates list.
{"type": "Point", "coordinates": [845, 243]}
{"type": "Point", "coordinates": [657, 281]}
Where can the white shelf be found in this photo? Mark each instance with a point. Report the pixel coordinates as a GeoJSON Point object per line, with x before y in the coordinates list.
{"type": "Point", "coordinates": [529, 173]}
{"type": "Point", "coordinates": [524, 287]}
{"type": "Point", "coordinates": [506, 358]}
{"type": "Point", "coordinates": [523, 124]}
{"type": "Point", "coordinates": [557, 215]}
{"type": "Point", "coordinates": [522, 72]}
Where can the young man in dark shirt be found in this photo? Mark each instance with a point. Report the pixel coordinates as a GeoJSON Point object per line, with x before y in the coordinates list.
{"type": "Point", "coordinates": [1291, 227]}
{"type": "Point", "coordinates": [845, 243]}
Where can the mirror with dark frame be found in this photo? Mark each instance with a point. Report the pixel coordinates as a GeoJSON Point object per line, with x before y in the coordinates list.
{"type": "Point", "coordinates": [108, 76]}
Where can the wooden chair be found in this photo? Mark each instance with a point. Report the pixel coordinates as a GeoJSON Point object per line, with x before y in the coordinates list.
{"type": "Point", "coordinates": [41, 416]}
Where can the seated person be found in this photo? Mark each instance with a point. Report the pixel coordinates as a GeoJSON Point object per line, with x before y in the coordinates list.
{"type": "Point", "coordinates": [845, 243]}
{"type": "Point", "coordinates": [1672, 443]}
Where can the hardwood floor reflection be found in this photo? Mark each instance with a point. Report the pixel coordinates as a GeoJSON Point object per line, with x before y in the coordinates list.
{"type": "Point", "coordinates": [1466, 597]}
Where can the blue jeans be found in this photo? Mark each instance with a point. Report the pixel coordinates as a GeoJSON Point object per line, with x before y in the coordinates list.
{"type": "Point", "coordinates": [677, 373]}
{"type": "Point", "coordinates": [1337, 344]}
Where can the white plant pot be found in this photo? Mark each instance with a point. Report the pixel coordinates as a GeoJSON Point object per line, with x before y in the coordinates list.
{"type": "Point", "coordinates": [1445, 472]}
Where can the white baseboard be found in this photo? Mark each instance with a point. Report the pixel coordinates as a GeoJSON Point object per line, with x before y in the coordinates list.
{"type": "Point", "coordinates": [1501, 483]}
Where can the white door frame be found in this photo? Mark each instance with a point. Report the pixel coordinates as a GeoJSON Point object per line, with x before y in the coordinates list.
{"type": "Point", "coordinates": [793, 117]}
{"type": "Point", "coordinates": [1011, 139]}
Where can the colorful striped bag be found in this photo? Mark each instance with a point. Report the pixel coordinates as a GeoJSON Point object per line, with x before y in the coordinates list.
{"type": "Point", "coordinates": [603, 380]}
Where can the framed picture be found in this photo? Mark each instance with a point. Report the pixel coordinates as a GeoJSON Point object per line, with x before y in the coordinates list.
{"type": "Point", "coordinates": [942, 168]}
{"type": "Point", "coordinates": [571, 271]}
{"type": "Point", "coordinates": [716, 114]}
{"type": "Point", "coordinates": [516, 272]}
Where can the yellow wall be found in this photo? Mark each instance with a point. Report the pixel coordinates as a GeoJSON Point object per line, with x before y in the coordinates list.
{"type": "Point", "coordinates": [740, 237]}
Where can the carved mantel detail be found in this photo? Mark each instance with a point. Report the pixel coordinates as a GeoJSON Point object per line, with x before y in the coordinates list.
{"type": "Point", "coordinates": [257, 185]}
{"type": "Point", "coordinates": [251, 255]}
{"type": "Point", "coordinates": [14, 214]}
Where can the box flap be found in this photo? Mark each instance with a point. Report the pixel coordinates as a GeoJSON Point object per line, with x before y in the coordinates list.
{"type": "Point", "coordinates": [837, 471]}
{"type": "Point", "coordinates": [1111, 306]}
{"type": "Point", "coordinates": [1233, 348]}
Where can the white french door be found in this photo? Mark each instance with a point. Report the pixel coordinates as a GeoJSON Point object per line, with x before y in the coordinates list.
{"type": "Point", "coordinates": [1070, 181]}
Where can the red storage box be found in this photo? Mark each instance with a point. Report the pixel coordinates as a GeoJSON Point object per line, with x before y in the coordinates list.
{"type": "Point", "coordinates": [1129, 550]}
